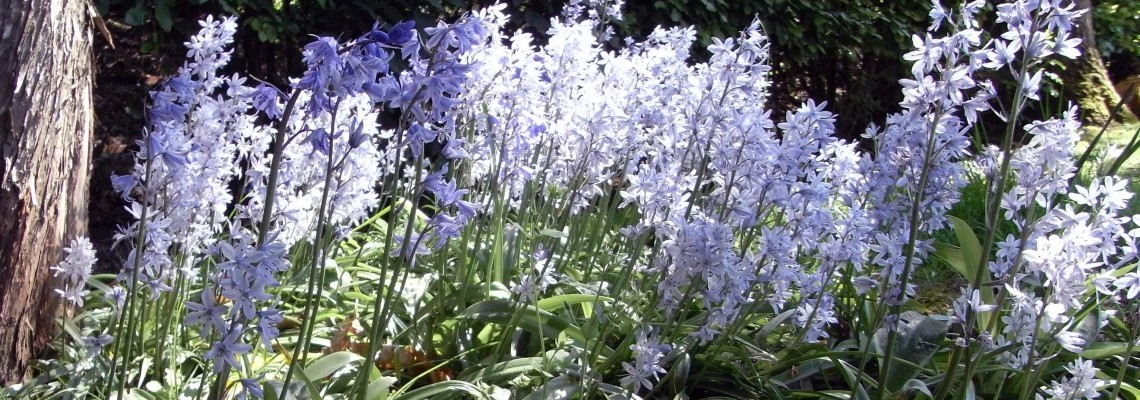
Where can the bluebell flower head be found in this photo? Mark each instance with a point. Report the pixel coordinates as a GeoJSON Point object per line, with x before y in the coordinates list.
{"type": "Point", "coordinates": [401, 33]}
{"type": "Point", "coordinates": [436, 181]}
{"type": "Point", "coordinates": [124, 184]}
{"type": "Point", "coordinates": [251, 389]}
{"type": "Point", "coordinates": [322, 51]}
{"type": "Point", "coordinates": [181, 85]}
{"type": "Point", "coordinates": [445, 228]}
{"type": "Point", "coordinates": [319, 138]}
{"type": "Point", "coordinates": [376, 34]}
{"type": "Point", "coordinates": [356, 135]}
{"type": "Point", "coordinates": [92, 345]}
{"type": "Point", "coordinates": [453, 149]}
{"type": "Point", "coordinates": [378, 92]}
{"type": "Point", "coordinates": [265, 100]}
{"type": "Point", "coordinates": [267, 321]}
{"type": "Point", "coordinates": [157, 147]}
{"type": "Point", "coordinates": [226, 350]}
{"type": "Point", "coordinates": [165, 106]}
{"type": "Point", "coordinates": [207, 314]}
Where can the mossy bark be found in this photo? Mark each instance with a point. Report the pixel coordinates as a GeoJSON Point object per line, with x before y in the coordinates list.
{"type": "Point", "coordinates": [1086, 80]}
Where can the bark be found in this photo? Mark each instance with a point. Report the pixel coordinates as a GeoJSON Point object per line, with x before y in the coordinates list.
{"type": "Point", "coordinates": [46, 121]}
{"type": "Point", "coordinates": [1086, 80]}
{"type": "Point", "coordinates": [1129, 90]}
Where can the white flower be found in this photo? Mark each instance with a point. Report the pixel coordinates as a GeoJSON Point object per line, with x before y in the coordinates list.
{"type": "Point", "coordinates": [1082, 384]}
{"type": "Point", "coordinates": [75, 269]}
{"type": "Point", "coordinates": [1071, 341]}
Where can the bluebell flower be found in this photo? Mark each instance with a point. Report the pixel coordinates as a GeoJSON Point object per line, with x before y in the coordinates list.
{"type": "Point", "coordinates": [208, 314]}
{"type": "Point", "coordinates": [158, 148]}
{"type": "Point", "coordinates": [356, 135]}
{"type": "Point", "coordinates": [250, 388]}
{"type": "Point", "coordinates": [245, 289]}
{"type": "Point", "coordinates": [267, 321]}
{"type": "Point", "coordinates": [378, 92]}
{"type": "Point", "coordinates": [319, 139]}
{"type": "Point", "coordinates": [418, 136]}
{"type": "Point", "coordinates": [376, 34]}
{"type": "Point", "coordinates": [116, 297]}
{"type": "Point", "coordinates": [322, 51]}
{"type": "Point", "coordinates": [165, 107]}
{"type": "Point", "coordinates": [265, 100]}
{"type": "Point", "coordinates": [448, 194]}
{"type": "Point", "coordinates": [436, 181]}
{"type": "Point", "coordinates": [314, 79]}
{"type": "Point", "coordinates": [445, 228]}
{"type": "Point", "coordinates": [319, 104]}
{"type": "Point", "coordinates": [397, 36]}
{"type": "Point", "coordinates": [408, 248]}
{"type": "Point", "coordinates": [124, 184]}
{"type": "Point", "coordinates": [226, 350]}
{"type": "Point", "coordinates": [93, 345]}
{"type": "Point", "coordinates": [646, 367]}
{"type": "Point", "coordinates": [401, 33]}
{"type": "Point", "coordinates": [454, 149]}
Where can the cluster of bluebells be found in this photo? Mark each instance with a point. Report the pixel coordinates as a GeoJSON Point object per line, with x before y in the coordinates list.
{"type": "Point", "coordinates": [319, 146]}
{"type": "Point", "coordinates": [648, 352]}
{"type": "Point", "coordinates": [72, 274]}
{"type": "Point", "coordinates": [74, 270]}
{"type": "Point", "coordinates": [1081, 385]}
{"type": "Point", "coordinates": [919, 149]}
{"type": "Point", "coordinates": [1062, 238]}
{"type": "Point", "coordinates": [744, 208]}
{"type": "Point", "coordinates": [201, 129]}
{"type": "Point", "coordinates": [428, 94]}
{"type": "Point", "coordinates": [740, 210]}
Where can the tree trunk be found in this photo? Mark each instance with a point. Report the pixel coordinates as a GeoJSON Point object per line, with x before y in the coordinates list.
{"type": "Point", "coordinates": [46, 123]}
{"type": "Point", "coordinates": [1086, 80]}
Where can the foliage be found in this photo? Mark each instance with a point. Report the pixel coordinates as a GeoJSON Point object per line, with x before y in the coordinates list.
{"type": "Point", "coordinates": [565, 221]}
{"type": "Point", "coordinates": [1117, 25]}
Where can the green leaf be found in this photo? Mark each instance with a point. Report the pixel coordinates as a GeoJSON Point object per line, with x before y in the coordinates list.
{"type": "Point", "coordinates": [953, 256]}
{"type": "Point", "coordinates": [968, 242]}
{"type": "Point", "coordinates": [918, 339]}
{"type": "Point", "coordinates": [912, 386]}
{"type": "Point", "coordinates": [553, 233]}
{"type": "Point", "coordinates": [541, 322]}
{"type": "Point", "coordinates": [678, 376]}
{"type": "Point", "coordinates": [378, 388]}
{"type": "Point", "coordinates": [776, 322]}
{"type": "Point", "coordinates": [970, 392]}
{"type": "Point", "coordinates": [557, 302]}
{"type": "Point", "coordinates": [440, 389]}
{"type": "Point", "coordinates": [967, 262]}
{"type": "Point", "coordinates": [560, 384]}
{"type": "Point", "coordinates": [330, 363]}
{"type": "Point", "coordinates": [148, 47]}
{"type": "Point", "coordinates": [503, 371]}
{"type": "Point", "coordinates": [141, 394]}
{"type": "Point", "coordinates": [363, 297]}
{"type": "Point", "coordinates": [162, 15]}
{"type": "Point", "coordinates": [1131, 390]}
{"type": "Point", "coordinates": [269, 392]}
{"type": "Point", "coordinates": [137, 15]}
{"type": "Point", "coordinates": [1101, 350]}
